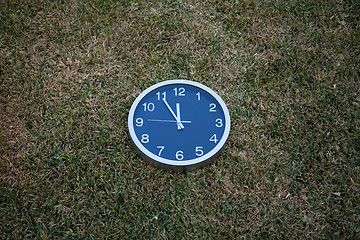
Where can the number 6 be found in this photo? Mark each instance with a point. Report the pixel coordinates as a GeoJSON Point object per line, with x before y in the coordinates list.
{"type": "Point", "coordinates": [179, 155]}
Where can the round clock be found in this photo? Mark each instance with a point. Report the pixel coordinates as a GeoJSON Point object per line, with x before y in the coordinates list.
{"type": "Point", "coordinates": [179, 125]}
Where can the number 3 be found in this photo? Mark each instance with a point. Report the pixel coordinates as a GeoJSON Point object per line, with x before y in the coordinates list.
{"type": "Point", "coordinates": [219, 122]}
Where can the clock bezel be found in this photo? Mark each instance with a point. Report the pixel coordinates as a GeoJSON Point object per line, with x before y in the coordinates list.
{"type": "Point", "coordinates": [176, 165]}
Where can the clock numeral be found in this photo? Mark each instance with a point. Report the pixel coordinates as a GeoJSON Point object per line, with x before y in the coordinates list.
{"type": "Point", "coordinates": [213, 139]}
{"type": "Point", "coordinates": [161, 149]}
{"type": "Point", "coordinates": [145, 138]}
{"type": "Point", "coordinates": [198, 95]}
{"type": "Point", "coordinates": [179, 92]}
{"type": "Point", "coordinates": [219, 122]}
{"type": "Point", "coordinates": [198, 151]}
{"type": "Point", "coordinates": [139, 122]}
{"type": "Point", "coordinates": [149, 107]}
{"type": "Point", "coordinates": [159, 95]}
{"type": "Point", "coordinates": [212, 107]}
{"type": "Point", "coordinates": [179, 155]}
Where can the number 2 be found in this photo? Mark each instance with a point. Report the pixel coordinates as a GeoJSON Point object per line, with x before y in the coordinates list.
{"type": "Point", "coordinates": [212, 107]}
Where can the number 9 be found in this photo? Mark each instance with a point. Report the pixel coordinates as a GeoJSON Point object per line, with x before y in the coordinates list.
{"type": "Point", "coordinates": [139, 122]}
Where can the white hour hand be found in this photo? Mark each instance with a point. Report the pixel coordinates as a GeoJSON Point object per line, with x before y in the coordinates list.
{"type": "Point", "coordinates": [178, 115]}
{"type": "Point", "coordinates": [179, 124]}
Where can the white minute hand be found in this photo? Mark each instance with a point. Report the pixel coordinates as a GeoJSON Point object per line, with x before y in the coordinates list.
{"type": "Point", "coordinates": [180, 125]}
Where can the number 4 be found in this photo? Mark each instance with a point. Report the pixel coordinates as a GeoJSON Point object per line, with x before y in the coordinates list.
{"type": "Point", "coordinates": [213, 139]}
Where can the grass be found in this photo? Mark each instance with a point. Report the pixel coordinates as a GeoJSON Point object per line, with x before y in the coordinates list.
{"type": "Point", "coordinates": [287, 70]}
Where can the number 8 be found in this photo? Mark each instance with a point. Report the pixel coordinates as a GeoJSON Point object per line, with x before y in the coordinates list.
{"type": "Point", "coordinates": [145, 138]}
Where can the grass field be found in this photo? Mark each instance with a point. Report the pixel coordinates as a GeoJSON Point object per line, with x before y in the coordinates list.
{"type": "Point", "coordinates": [287, 70]}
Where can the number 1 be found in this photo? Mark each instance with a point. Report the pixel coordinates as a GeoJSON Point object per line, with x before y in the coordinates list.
{"type": "Point", "coordinates": [198, 95]}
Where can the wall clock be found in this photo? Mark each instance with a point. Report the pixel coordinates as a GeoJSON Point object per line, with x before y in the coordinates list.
{"type": "Point", "coordinates": [179, 125]}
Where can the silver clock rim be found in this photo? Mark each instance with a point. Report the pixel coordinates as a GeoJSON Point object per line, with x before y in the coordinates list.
{"type": "Point", "coordinates": [158, 161]}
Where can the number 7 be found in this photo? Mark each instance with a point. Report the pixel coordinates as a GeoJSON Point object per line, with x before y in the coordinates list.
{"type": "Point", "coordinates": [161, 149]}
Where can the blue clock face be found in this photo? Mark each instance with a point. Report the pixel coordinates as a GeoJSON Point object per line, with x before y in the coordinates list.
{"type": "Point", "coordinates": [178, 123]}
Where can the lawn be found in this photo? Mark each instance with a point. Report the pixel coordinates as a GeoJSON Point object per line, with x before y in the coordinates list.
{"type": "Point", "coordinates": [287, 70]}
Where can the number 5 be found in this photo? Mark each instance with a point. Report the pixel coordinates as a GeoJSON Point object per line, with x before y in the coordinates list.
{"type": "Point", "coordinates": [199, 151]}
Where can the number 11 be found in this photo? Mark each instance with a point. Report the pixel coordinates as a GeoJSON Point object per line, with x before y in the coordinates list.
{"type": "Point", "coordinates": [159, 94]}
